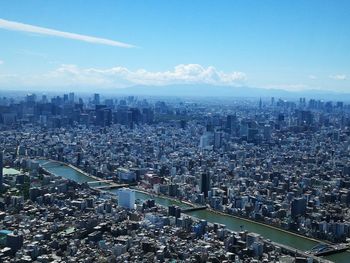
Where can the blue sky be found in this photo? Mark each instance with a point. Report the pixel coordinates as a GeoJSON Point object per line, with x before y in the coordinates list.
{"type": "Point", "coordinates": [270, 44]}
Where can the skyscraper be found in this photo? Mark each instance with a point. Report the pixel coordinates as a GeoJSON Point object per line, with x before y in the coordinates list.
{"type": "Point", "coordinates": [231, 124]}
{"type": "Point", "coordinates": [96, 99]}
{"type": "Point", "coordinates": [205, 183]}
{"type": "Point", "coordinates": [218, 139]}
{"type": "Point", "coordinates": [267, 132]}
{"type": "Point", "coordinates": [103, 116]}
{"type": "Point", "coordinates": [71, 97]}
{"type": "Point", "coordinates": [298, 207]}
{"type": "Point", "coordinates": [260, 104]}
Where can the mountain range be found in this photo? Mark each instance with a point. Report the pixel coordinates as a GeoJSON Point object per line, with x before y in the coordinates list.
{"type": "Point", "coordinates": [201, 90]}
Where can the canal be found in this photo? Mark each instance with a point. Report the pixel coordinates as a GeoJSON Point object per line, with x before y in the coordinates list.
{"type": "Point", "coordinates": [231, 223]}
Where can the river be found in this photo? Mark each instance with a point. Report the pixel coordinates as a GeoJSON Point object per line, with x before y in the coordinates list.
{"type": "Point", "coordinates": [231, 223]}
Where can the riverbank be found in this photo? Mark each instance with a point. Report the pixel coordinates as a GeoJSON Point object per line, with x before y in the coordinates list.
{"type": "Point", "coordinates": [234, 216]}
{"type": "Point", "coordinates": [237, 217]}
{"type": "Point", "coordinates": [232, 222]}
{"type": "Point", "coordinates": [103, 180]}
{"type": "Point", "coordinates": [74, 168]}
{"type": "Point", "coordinates": [269, 226]}
{"type": "Point", "coordinates": [194, 205]}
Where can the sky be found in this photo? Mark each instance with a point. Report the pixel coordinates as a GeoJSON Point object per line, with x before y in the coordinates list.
{"type": "Point", "coordinates": [111, 44]}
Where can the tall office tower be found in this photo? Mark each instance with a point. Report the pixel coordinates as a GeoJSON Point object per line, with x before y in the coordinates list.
{"type": "Point", "coordinates": [298, 207]}
{"type": "Point", "coordinates": [14, 241]}
{"type": "Point", "coordinates": [260, 104]}
{"type": "Point", "coordinates": [205, 183]}
{"type": "Point", "coordinates": [71, 97]}
{"type": "Point", "coordinates": [231, 123]}
{"type": "Point", "coordinates": [204, 141]}
{"type": "Point", "coordinates": [305, 117]}
{"type": "Point", "coordinates": [96, 99]}
{"type": "Point", "coordinates": [147, 115]}
{"type": "Point", "coordinates": [103, 116]}
{"type": "Point", "coordinates": [30, 98]}
{"type": "Point", "coordinates": [1, 167]}
{"type": "Point", "coordinates": [44, 99]}
{"type": "Point", "coordinates": [252, 134]}
{"type": "Point", "coordinates": [65, 98]}
{"type": "Point", "coordinates": [267, 132]}
{"type": "Point", "coordinates": [126, 198]}
{"type": "Point", "coordinates": [218, 139]}
{"type": "Point", "coordinates": [136, 115]}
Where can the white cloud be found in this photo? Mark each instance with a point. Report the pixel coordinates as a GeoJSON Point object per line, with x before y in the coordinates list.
{"type": "Point", "coordinates": [16, 26]}
{"type": "Point", "coordinates": [1, 62]}
{"type": "Point", "coordinates": [338, 77]}
{"type": "Point", "coordinates": [119, 77]}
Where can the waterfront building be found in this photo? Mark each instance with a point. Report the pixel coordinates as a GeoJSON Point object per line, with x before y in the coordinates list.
{"type": "Point", "coordinates": [126, 198]}
{"type": "Point", "coordinates": [298, 207]}
{"type": "Point", "coordinates": [205, 183]}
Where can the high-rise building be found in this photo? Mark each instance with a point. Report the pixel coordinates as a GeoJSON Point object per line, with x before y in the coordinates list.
{"type": "Point", "coordinates": [267, 132]}
{"type": "Point", "coordinates": [218, 139]}
{"type": "Point", "coordinates": [205, 140]}
{"type": "Point", "coordinates": [103, 116]}
{"type": "Point", "coordinates": [205, 183]}
{"type": "Point", "coordinates": [252, 134]}
{"type": "Point", "coordinates": [174, 211]}
{"type": "Point", "coordinates": [96, 99]}
{"type": "Point", "coordinates": [231, 123]}
{"type": "Point", "coordinates": [305, 117]}
{"type": "Point", "coordinates": [14, 241]}
{"type": "Point", "coordinates": [65, 98]}
{"type": "Point", "coordinates": [44, 99]}
{"type": "Point", "coordinates": [147, 115]}
{"type": "Point", "coordinates": [30, 98]}
{"type": "Point", "coordinates": [298, 207]}
{"type": "Point", "coordinates": [136, 115]}
{"type": "Point", "coordinates": [71, 97]}
{"type": "Point", "coordinates": [173, 189]}
{"type": "Point", "coordinates": [126, 198]}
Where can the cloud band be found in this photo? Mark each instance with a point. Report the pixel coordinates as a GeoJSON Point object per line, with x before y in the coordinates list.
{"type": "Point", "coordinates": [16, 26]}
{"type": "Point", "coordinates": [119, 77]}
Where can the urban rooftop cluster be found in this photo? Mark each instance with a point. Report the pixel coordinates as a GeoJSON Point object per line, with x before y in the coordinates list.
{"type": "Point", "coordinates": [282, 163]}
{"type": "Point", "coordinates": [63, 221]}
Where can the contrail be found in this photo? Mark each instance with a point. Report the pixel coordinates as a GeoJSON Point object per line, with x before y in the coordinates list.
{"type": "Point", "coordinates": [16, 26]}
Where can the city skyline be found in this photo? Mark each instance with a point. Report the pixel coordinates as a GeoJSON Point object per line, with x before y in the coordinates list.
{"type": "Point", "coordinates": [294, 46]}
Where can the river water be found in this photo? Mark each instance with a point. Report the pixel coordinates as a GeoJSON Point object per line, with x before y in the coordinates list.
{"type": "Point", "coordinates": [231, 223]}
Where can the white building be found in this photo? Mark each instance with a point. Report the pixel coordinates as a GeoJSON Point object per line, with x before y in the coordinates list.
{"type": "Point", "coordinates": [126, 198]}
{"type": "Point", "coordinates": [206, 140]}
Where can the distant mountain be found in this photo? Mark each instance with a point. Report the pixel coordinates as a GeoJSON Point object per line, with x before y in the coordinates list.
{"type": "Point", "coordinates": [227, 91]}
{"type": "Point", "coordinates": [201, 90]}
